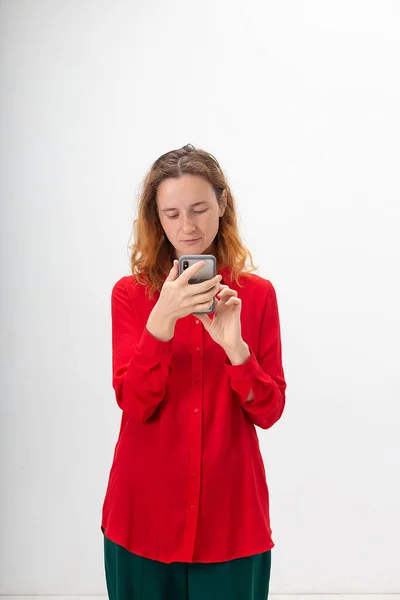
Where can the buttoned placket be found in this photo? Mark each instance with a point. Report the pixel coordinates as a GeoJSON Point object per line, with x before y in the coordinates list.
{"type": "Point", "coordinates": [195, 450]}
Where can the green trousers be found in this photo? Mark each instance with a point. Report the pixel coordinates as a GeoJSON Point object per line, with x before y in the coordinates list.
{"type": "Point", "coordinates": [132, 577]}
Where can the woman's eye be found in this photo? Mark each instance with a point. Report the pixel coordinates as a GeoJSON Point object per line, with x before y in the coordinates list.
{"type": "Point", "coordinates": [196, 212]}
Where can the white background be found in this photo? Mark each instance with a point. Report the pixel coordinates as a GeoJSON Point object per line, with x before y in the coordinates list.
{"type": "Point", "coordinates": [300, 103]}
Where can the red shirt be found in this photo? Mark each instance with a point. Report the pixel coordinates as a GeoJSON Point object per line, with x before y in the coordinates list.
{"type": "Point", "coordinates": [187, 481]}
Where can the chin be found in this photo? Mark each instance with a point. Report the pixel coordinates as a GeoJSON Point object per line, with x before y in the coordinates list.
{"type": "Point", "coordinates": [197, 249]}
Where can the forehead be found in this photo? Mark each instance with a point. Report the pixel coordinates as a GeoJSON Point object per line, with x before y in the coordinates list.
{"type": "Point", "coordinates": [184, 191]}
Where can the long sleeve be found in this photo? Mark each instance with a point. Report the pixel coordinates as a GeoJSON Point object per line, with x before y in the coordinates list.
{"type": "Point", "coordinates": [140, 362]}
{"type": "Point", "coordinates": [263, 374]}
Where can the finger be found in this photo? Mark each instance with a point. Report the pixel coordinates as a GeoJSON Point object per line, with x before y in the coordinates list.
{"type": "Point", "coordinates": [227, 293]}
{"type": "Point", "coordinates": [202, 299]}
{"type": "Point", "coordinates": [192, 270]}
{"type": "Point", "coordinates": [233, 301]}
{"type": "Point", "coordinates": [205, 286]}
{"type": "Point", "coordinates": [226, 287]}
{"type": "Point", "coordinates": [172, 275]}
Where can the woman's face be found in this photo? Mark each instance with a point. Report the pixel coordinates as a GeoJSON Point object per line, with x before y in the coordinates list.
{"type": "Point", "coordinates": [188, 210]}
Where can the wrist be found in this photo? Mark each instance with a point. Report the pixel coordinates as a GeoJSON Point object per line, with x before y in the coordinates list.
{"type": "Point", "coordinates": [160, 327]}
{"type": "Point", "coordinates": [240, 354]}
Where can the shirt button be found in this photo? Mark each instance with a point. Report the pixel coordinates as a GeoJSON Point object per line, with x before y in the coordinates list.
{"type": "Point", "coordinates": [196, 410]}
{"type": "Point", "coordinates": [197, 349]}
{"type": "Point", "coordinates": [197, 321]}
{"type": "Point", "coordinates": [196, 380]}
{"type": "Point", "coordinates": [194, 475]}
{"type": "Point", "coordinates": [192, 507]}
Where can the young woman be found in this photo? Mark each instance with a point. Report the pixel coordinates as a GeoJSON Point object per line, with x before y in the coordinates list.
{"type": "Point", "coordinates": [186, 511]}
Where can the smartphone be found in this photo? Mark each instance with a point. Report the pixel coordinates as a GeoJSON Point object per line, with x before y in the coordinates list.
{"type": "Point", "coordinates": [207, 272]}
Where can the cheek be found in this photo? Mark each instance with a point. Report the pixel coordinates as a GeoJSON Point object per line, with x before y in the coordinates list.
{"type": "Point", "coordinates": [168, 225]}
{"type": "Point", "coordinates": [211, 222]}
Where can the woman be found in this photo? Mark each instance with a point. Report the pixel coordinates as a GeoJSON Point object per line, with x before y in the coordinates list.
{"type": "Point", "coordinates": [186, 511]}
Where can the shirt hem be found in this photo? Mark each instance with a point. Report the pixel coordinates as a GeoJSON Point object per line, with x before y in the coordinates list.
{"type": "Point", "coordinates": [235, 556]}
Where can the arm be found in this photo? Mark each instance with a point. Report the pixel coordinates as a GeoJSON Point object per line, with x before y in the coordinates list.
{"type": "Point", "coordinates": [259, 383]}
{"type": "Point", "coordinates": [141, 362]}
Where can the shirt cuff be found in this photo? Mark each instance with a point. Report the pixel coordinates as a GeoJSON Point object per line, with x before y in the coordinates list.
{"type": "Point", "coordinates": [242, 376]}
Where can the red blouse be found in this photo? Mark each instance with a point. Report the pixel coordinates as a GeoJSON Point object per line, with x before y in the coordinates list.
{"type": "Point", "coordinates": [187, 481]}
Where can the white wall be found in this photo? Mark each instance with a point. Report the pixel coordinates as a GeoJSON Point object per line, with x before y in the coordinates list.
{"type": "Point", "coordinates": [299, 100]}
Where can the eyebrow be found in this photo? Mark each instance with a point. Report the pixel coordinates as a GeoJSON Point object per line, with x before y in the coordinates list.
{"type": "Point", "coordinates": [191, 205]}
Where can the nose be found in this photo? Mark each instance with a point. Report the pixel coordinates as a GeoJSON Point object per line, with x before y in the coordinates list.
{"type": "Point", "coordinates": [187, 225]}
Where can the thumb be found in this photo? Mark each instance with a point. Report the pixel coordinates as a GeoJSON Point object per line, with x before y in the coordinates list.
{"type": "Point", "coordinates": [173, 274]}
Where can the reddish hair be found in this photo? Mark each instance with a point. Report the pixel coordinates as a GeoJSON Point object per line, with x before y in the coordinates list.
{"type": "Point", "coordinates": [152, 254]}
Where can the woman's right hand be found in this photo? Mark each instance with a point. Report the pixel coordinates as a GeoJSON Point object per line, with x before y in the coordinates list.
{"type": "Point", "coordinates": [179, 298]}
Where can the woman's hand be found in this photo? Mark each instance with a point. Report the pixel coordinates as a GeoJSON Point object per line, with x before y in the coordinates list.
{"type": "Point", "coordinates": [225, 327]}
{"type": "Point", "coordinates": [179, 298]}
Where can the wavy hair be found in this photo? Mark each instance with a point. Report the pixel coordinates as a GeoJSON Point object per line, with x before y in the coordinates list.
{"type": "Point", "coordinates": [151, 253]}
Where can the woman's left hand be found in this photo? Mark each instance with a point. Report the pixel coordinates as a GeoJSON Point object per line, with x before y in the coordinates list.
{"type": "Point", "coordinates": [225, 327]}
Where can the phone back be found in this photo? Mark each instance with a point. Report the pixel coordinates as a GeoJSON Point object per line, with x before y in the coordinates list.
{"type": "Point", "coordinates": [207, 272]}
